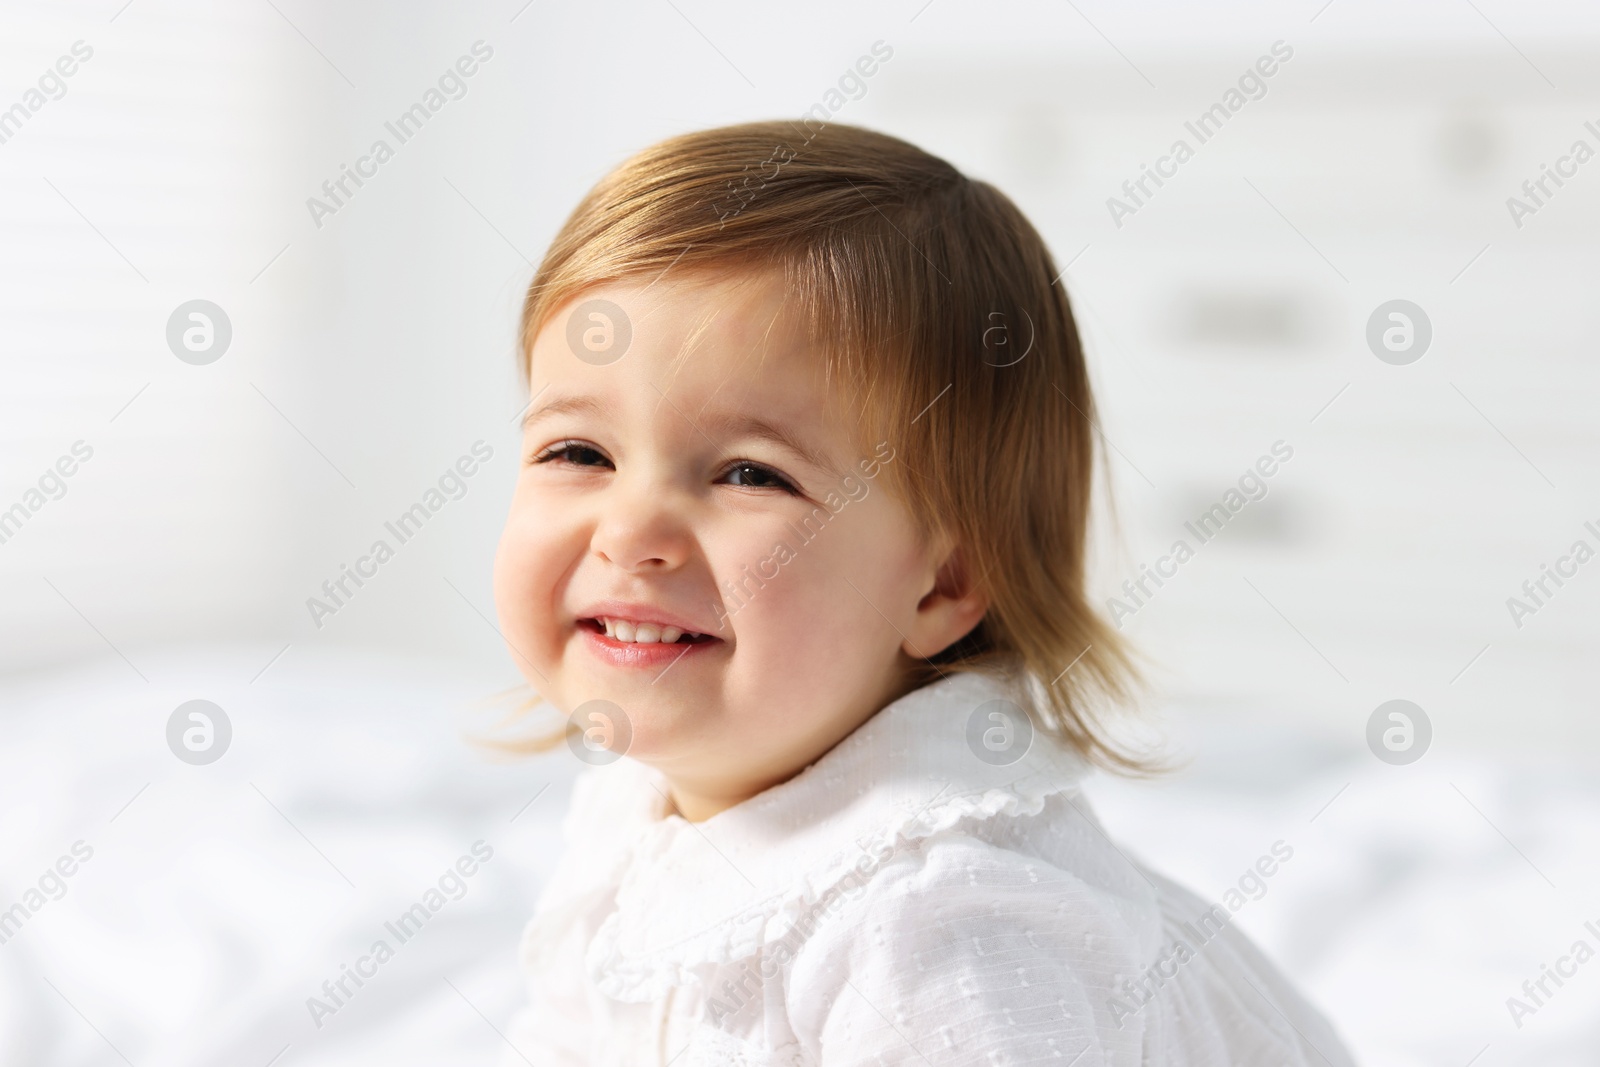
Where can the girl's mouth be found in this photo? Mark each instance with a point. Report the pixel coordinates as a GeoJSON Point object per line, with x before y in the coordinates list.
{"type": "Point", "coordinates": [622, 648]}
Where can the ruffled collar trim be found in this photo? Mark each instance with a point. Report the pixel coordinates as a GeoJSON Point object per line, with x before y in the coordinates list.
{"type": "Point", "coordinates": [759, 867]}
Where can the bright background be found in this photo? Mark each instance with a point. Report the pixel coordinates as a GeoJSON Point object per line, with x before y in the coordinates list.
{"type": "Point", "coordinates": [369, 353]}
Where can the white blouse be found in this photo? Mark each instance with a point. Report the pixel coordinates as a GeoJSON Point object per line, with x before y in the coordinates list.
{"type": "Point", "coordinates": [900, 901]}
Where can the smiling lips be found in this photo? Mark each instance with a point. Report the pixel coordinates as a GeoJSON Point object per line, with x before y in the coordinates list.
{"type": "Point", "coordinates": [639, 636]}
{"type": "Point", "coordinates": [655, 653]}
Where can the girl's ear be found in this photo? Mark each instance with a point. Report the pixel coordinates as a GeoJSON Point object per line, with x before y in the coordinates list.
{"type": "Point", "coordinates": [950, 609]}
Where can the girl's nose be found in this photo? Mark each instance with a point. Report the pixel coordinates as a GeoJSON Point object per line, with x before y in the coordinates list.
{"type": "Point", "coordinates": [642, 529]}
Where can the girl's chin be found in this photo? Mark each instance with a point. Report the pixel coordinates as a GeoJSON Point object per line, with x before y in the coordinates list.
{"type": "Point", "coordinates": [651, 724]}
{"type": "Point", "coordinates": [663, 740]}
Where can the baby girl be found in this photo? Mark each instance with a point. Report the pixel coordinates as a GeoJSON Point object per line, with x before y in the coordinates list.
{"type": "Point", "coordinates": [797, 552]}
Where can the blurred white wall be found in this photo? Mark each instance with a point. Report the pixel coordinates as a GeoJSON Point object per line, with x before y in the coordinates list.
{"type": "Point", "coordinates": [158, 176]}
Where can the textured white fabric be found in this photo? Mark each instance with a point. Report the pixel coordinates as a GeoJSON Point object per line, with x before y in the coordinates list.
{"type": "Point", "coordinates": [900, 901]}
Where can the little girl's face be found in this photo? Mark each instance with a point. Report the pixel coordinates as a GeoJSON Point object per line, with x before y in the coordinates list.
{"type": "Point", "coordinates": [725, 496]}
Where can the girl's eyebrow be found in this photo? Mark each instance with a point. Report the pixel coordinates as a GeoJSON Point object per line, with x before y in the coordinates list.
{"type": "Point", "coordinates": [563, 405]}
{"type": "Point", "coordinates": [726, 424]}
{"type": "Point", "coordinates": [741, 425]}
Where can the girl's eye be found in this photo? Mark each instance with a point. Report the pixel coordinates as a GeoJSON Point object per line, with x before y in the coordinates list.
{"type": "Point", "coordinates": [755, 476]}
{"type": "Point", "coordinates": [742, 473]}
{"type": "Point", "coordinates": [579, 455]}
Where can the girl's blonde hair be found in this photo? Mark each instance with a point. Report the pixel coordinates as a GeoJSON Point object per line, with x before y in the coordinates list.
{"type": "Point", "coordinates": [935, 305]}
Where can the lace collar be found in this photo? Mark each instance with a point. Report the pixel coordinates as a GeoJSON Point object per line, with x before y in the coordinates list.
{"type": "Point", "coordinates": [681, 895]}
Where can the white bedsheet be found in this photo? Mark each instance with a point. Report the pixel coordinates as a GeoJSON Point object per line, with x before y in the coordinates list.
{"type": "Point", "coordinates": [219, 898]}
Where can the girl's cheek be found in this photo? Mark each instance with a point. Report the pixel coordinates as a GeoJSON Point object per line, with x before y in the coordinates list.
{"type": "Point", "coordinates": [520, 579]}
{"type": "Point", "coordinates": [803, 605]}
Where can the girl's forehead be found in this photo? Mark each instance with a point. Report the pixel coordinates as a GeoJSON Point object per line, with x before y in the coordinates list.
{"type": "Point", "coordinates": [721, 354]}
{"type": "Point", "coordinates": [738, 340]}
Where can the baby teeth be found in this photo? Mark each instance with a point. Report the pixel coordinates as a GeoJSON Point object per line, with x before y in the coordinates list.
{"type": "Point", "coordinates": [644, 633]}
